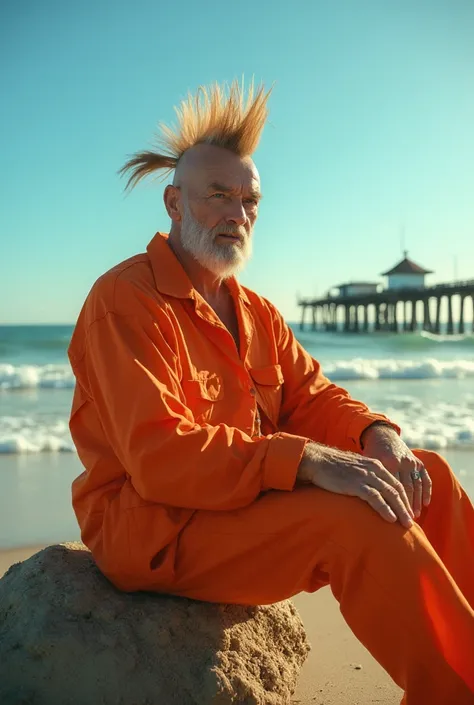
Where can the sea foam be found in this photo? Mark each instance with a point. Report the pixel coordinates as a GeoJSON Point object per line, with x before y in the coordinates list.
{"type": "Point", "coordinates": [14, 377]}
{"type": "Point", "coordinates": [42, 426]}
{"type": "Point", "coordinates": [26, 434]}
{"type": "Point", "coordinates": [432, 426]}
{"type": "Point", "coordinates": [359, 369]}
{"type": "Point", "coordinates": [17, 377]}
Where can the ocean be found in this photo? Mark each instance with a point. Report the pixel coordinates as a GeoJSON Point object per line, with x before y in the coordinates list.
{"type": "Point", "coordinates": [423, 382]}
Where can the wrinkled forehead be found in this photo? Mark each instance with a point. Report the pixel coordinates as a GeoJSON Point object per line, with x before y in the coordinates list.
{"type": "Point", "coordinates": [204, 165]}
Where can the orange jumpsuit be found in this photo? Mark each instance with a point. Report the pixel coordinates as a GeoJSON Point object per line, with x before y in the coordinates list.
{"type": "Point", "coordinates": [184, 492]}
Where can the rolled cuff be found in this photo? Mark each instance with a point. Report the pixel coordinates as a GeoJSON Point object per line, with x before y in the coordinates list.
{"type": "Point", "coordinates": [282, 460]}
{"type": "Point", "coordinates": [362, 421]}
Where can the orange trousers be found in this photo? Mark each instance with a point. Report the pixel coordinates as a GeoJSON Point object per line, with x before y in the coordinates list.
{"type": "Point", "coordinates": [408, 595]}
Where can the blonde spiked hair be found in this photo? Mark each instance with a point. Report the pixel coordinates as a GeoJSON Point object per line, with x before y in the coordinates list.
{"type": "Point", "coordinates": [209, 117]}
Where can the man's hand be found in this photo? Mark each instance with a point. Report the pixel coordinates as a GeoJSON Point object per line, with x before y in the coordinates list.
{"type": "Point", "coordinates": [384, 444]}
{"type": "Point", "coordinates": [355, 475]}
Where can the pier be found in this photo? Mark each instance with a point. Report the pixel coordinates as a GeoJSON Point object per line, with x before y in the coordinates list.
{"type": "Point", "coordinates": [396, 310]}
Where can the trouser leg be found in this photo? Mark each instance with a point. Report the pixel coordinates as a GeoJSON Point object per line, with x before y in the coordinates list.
{"type": "Point", "coordinates": [394, 590]}
{"type": "Point", "coordinates": [448, 522]}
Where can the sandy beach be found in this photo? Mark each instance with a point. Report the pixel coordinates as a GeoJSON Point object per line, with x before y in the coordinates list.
{"type": "Point", "coordinates": [338, 671]}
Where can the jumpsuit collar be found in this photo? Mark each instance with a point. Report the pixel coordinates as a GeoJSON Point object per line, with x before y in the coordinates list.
{"type": "Point", "coordinates": [170, 276]}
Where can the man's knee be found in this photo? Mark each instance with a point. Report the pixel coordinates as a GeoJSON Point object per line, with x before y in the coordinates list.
{"type": "Point", "coordinates": [438, 467]}
{"type": "Point", "coordinates": [357, 525]}
{"type": "Point", "coordinates": [431, 457]}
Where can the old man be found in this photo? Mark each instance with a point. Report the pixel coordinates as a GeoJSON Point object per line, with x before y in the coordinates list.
{"type": "Point", "coordinates": [222, 465]}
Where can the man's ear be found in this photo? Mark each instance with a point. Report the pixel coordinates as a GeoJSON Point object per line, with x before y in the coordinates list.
{"type": "Point", "coordinates": [172, 201]}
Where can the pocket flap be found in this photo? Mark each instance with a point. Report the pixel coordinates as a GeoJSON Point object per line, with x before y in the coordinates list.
{"type": "Point", "coordinates": [208, 386]}
{"type": "Point", "coordinates": [270, 375]}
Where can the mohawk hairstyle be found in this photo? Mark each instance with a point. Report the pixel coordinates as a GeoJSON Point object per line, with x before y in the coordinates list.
{"type": "Point", "coordinates": [208, 117]}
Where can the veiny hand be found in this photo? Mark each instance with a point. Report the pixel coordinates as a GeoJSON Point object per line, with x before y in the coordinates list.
{"type": "Point", "coordinates": [351, 474]}
{"type": "Point", "coordinates": [383, 443]}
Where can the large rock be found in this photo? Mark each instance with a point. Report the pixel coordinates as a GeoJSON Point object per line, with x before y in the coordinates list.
{"type": "Point", "coordinates": [68, 637]}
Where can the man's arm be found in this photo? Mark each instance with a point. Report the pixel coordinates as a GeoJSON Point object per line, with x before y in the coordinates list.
{"type": "Point", "coordinates": [131, 374]}
{"type": "Point", "coordinates": [311, 405]}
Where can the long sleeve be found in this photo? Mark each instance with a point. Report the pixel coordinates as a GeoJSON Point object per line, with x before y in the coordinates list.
{"type": "Point", "coordinates": [131, 375]}
{"type": "Point", "coordinates": [311, 405]}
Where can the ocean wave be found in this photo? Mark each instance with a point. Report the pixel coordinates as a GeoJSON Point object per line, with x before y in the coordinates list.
{"type": "Point", "coordinates": [424, 340]}
{"type": "Point", "coordinates": [18, 377]}
{"type": "Point", "coordinates": [431, 426]}
{"type": "Point", "coordinates": [418, 341]}
{"type": "Point", "coordinates": [434, 426]}
{"type": "Point", "coordinates": [360, 369]}
{"type": "Point", "coordinates": [14, 377]}
{"type": "Point", "coordinates": [26, 434]}
{"type": "Point", "coordinates": [458, 338]}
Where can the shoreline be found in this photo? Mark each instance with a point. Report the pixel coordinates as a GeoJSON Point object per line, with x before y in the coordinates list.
{"type": "Point", "coordinates": [35, 496]}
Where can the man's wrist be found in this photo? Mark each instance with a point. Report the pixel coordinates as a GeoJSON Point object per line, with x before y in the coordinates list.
{"type": "Point", "coordinates": [376, 426]}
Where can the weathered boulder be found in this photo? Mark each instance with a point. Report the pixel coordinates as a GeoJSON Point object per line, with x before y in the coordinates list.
{"type": "Point", "coordinates": [68, 637]}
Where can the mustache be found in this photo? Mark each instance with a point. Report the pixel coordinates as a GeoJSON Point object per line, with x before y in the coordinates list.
{"type": "Point", "coordinates": [237, 230]}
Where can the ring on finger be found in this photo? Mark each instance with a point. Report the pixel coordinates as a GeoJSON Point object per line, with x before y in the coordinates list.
{"type": "Point", "coordinates": [415, 475]}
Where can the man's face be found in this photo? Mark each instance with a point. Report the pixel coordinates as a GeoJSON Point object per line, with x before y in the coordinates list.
{"type": "Point", "coordinates": [220, 195]}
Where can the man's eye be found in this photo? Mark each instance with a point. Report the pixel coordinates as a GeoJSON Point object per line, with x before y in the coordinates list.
{"type": "Point", "coordinates": [218, 195]}
{"type": "Point", "coordinates": [252, 201]}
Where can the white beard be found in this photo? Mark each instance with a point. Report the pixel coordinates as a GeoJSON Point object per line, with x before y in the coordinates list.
{"type": "Point", "coordinates": [222, 259]}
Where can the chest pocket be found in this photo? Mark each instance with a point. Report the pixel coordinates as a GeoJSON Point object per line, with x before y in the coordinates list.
{"type": "Point", "coordinates": [202, 394]}
{"type": "Point", "coordinates": [269, 384]}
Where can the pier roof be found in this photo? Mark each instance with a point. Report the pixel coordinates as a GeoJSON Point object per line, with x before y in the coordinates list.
{"type": "Point", "coordinates": [407, 266]}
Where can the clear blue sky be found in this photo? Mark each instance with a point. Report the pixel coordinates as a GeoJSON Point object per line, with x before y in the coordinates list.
{"type": "Point", "coordinates": [371, 129]}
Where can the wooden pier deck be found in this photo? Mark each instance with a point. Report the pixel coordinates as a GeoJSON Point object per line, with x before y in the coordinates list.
{"type": "Point", "coordinates": [394, 310]}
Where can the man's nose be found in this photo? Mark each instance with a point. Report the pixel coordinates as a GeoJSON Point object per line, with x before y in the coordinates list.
{"type": "Point", "coordinates": [236, 213]}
